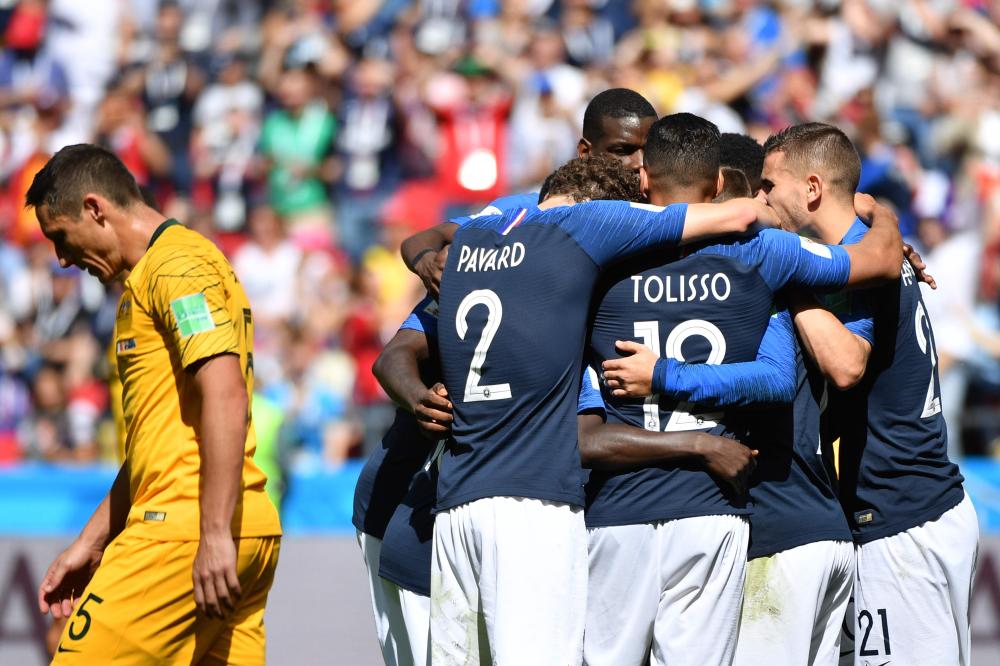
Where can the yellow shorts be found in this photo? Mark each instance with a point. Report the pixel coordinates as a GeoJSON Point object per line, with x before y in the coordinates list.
{"type": "Point", "coordinates": [139, 607]}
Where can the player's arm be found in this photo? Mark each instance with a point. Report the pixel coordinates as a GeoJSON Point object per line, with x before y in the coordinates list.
{"type": "Point", "coordinates": [225, 409]}
{"type": "Point", "coordinates": [397, 370]}
{"type": "Point", "coordinates": [69, 574]}
{"type": "Point", "coordinates": [420, 254]}
{"type": "Point", "coordinates": [616, 446]}
{"type": "Point", "coordinates": [190, 302]}
{"type": "Point", "coordinates": [840, 351]}
{"type": "Point", "coordinates": [878, 257]}
{"type": "Point", "coordinates": [622, 447]}
{"type": "Point", "coordinates": [609, 231]}
{"type": "Point", "coordinates": [785, 258]}
{"type": "Point", "coordinates": [768, 379]}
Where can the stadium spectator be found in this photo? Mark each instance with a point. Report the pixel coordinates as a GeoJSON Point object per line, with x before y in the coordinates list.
{"type": "Point", "coordinates": [331, 111]}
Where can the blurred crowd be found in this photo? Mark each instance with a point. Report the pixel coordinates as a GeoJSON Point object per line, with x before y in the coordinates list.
{"type": "Point", "coordinates": [309, 137]}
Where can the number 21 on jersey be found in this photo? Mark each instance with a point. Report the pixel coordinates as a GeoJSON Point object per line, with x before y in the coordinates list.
{"type": "Point", "coordinates": [681, 418]}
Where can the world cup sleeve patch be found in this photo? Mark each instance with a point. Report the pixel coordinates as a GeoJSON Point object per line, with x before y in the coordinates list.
{"type": "Point", "coordinates": [192, 315]}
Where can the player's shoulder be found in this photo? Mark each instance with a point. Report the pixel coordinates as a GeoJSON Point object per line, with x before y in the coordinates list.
{"type": "Point", "coordinates": [499, 206]}
{"type": "Point", "coordinates": [182, 252]}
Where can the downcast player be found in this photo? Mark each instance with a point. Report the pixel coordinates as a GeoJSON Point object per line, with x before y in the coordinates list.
{"type": "Point", "coordinates": [189, 502]}
{"type": "Point", "coordinates": [915, 528]}
{"type": "Point", "coordinates": [615, 124]}
{"type": "Point", "coordinates": [659, 532]}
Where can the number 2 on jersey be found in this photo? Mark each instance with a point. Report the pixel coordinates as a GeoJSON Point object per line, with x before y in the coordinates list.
{"type": "Point", "coordinates": [681, 418]}
{"type": "Point", "coordinates": [474, 391]}
{"type": "Point", "coordinates": [932, 403]}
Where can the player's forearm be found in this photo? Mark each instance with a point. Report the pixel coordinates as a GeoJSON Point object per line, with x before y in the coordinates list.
{"type": "Point", "coordinates": [397, 368]}
{"type": "Point", "coordinates": [878, 257]}
{"type": "Point", "coordinates": [398, 372]}
{"type": "Point", "coordinates": [840, 355]}
{"type": "Point", "coordinates": [433, 239]}
{"type": "Point", "coordinates": [615, 446]}
{"type": "Point", "coordinates": [709, 220]}
{"type": "Point", "coordinates": [732, 384]}
{"type": "Point", "coordinates": [108, 519]}
{"type": "Point", "coordinates": [222, 442]}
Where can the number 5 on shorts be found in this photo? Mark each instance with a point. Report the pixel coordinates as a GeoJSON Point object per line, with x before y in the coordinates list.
{"type": "Point", "coordinates": [75, 635]}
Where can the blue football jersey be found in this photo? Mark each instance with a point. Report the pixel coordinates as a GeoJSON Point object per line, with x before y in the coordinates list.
{"type": "Point", "coordinates": [711, 306]}
{"type": "Point", "coordinates": [794, 487]}
{"type": "Point", "coordinates": [406, 547]}
{"type": "Point", "coordinates": [384, 479]}
{"type": "Point", "coordinates": [514, 303]}
{"type": "Point", "coordinates": [894, 467]}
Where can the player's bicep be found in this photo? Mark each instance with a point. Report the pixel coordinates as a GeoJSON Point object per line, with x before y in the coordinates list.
{"type": "Point", "coordinates": [795, 260]}
{"type": "Point", "coordinates": [613, 230]}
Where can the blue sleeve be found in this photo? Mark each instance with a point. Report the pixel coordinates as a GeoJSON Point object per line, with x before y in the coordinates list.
{"type": "Point", "coordinates": [590, 393]}
{"type": "Point", "coordinates": [496, 207]}
{"type": "Point", "coordinates": [855, 311]}
{"type": "Point", "coordinates": [791, 259]}
{"type": "Point", "coordinates": [770, 378]}
{"type": "Point", "coordinates": [611, 230]}
{"type": "Point", "coordinates": [423, 318]}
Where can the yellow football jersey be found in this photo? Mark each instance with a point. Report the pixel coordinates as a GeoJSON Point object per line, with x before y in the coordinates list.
{"type": "Point", "coordinates": [182, 303]}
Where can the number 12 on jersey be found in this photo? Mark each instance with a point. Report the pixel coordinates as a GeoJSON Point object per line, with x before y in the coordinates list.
{"type": "Point", "coordinates": [681, 418]}
{"type": "Point", "coordinates": [474, 391]}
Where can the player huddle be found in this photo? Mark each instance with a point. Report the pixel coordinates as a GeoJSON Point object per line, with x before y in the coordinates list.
{"type": "Point", "coordinates": [637, 426]}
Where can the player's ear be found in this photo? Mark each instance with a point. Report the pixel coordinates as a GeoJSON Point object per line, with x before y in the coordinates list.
{"type": "Point", "coordinates": [583, 148]}
{"type": "Point", "coordinates": [94, 207]}
{"type": "Point", "coordinates": [814, 190]}
{"type": "Point", "coordinates": [720, 184]}
{"type": "Point", "coordinates": [644, 181]}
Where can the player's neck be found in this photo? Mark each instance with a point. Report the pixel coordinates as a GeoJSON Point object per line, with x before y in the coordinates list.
{"type": "Point", "coordinates": [136, 231]}
{"type": "Point", "coordinates": [556, 200]}
{"type": "Point", "coordinates": [832, 224]}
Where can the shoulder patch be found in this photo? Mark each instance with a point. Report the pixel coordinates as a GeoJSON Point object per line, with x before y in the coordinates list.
{"type": "Point", "coordinates": [192, 314]}
{"type": "Point", "coordinates": [815, 248]}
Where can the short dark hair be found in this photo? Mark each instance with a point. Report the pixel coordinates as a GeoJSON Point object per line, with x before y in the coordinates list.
{"type": "Point", "coordinates": [742, 152]}
{"type": "Point", "coordinates": [735, 184]}
{"type": "Point", "coordinates": [76, 170]}
{"type": "Point", "coordinates": [613, 103]}
{"type": "Point", "coordinates": [595, 178]}
{"type": "Point", "coordinates": [682, 149]}
{"type": "Point", "coordinates": [822, 148]}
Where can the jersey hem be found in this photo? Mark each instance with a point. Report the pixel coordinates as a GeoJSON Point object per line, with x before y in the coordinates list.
{"type": "Point", "coordinates": [445, 503]}
{"type": "Point", "coordinates": [402, 583]}
{"type": "Point", "coordinates": [662, 517]}
{"type": "Point", "coordinates": [927, 516]}
{"type": "Point", "coordinates": [798, 540]}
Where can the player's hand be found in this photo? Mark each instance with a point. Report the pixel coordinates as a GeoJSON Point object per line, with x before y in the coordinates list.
{"type": "Point", "coordinates": [919, 267]}
{"type": "Point", "coordinates": [434, 412]}
{"type": "Point", "coordinates": [216, 585]}
{"type": "Point", "coordinates": [729, 461]}
{"type": "Point", "coordinates": [430, 268]}
{"type": "Point", "coordinates": [865, 205]}
{"type": "Point", "coordinates": [766, 216]}
{"type": "Point", "coordinates": [66, 579]}
{"type": "Point", "coordinates": [630, 376]}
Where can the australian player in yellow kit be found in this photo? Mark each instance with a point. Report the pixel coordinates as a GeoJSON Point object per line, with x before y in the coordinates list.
{"type": "Point", "coordinates": [176, 563]}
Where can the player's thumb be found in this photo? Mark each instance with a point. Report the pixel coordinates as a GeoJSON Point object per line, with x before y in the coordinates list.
{"type": "Point", "coordinates": [628, 346]}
